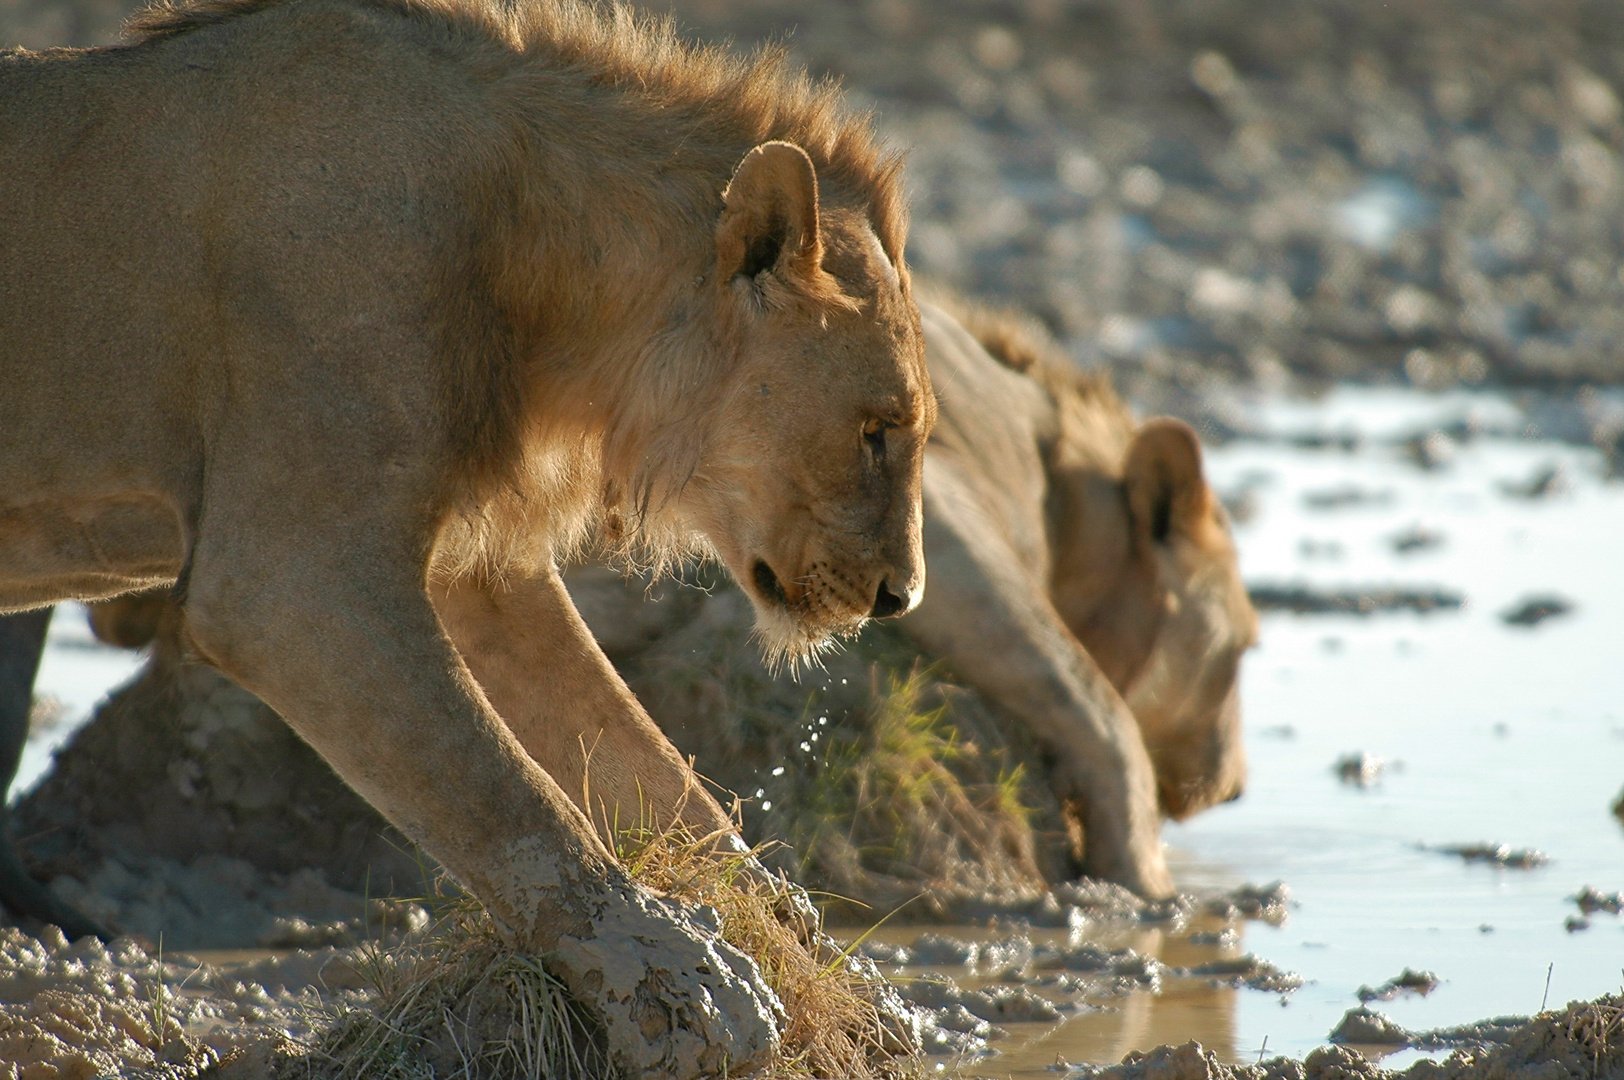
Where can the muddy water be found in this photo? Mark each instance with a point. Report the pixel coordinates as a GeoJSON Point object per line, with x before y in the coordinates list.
{"type": "Point", "coordinates": [1473, 731]}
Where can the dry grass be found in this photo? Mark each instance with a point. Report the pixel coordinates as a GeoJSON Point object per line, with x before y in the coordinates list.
{"type": "Point", "coordinates": [458, 1005]}
{"type": "Point", "coordinates": [835, 1028]}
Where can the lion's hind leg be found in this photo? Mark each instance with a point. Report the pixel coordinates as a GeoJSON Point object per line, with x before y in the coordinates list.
{"type": "Point", "coordinates": [22, 643]}
{"type": "Point", "coordinates": [348, 649]}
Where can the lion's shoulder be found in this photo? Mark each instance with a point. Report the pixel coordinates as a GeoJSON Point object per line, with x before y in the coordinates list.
{"type": "Point", "coordinates": [1021, 343]}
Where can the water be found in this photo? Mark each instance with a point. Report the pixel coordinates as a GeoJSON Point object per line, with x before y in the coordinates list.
{"type": "Point", "coordinates": [78, 672]}
{"type": "Point", "coordinates": [1496, 733]}
{"type": "Point", "coordinates": [1492, 733]}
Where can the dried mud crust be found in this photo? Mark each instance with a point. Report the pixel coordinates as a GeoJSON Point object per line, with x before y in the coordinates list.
{"type": "Point", "coordinates": [187, 806]}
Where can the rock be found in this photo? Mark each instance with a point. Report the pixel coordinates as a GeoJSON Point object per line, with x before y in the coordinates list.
{"type": "Point", "coordinates": [1368, 1027]}
{"type": "Point", "coordinates": [1406, 982]}
{"type": "Point", "coordinates": [1535, 610]}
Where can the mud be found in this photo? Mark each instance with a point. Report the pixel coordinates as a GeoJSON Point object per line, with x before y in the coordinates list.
{"type": "Point", "coordinates": [1592, 900]}
{"type": "Point", "coordinates": [1360, 769]}
{"type": "Point", "coordinates": [84, 1009]}
{"type": "Point", "coordinates": [1501, 855]}
{"type": "Point", "coordinates": [1535, 610]}
{"type": "Point", "coordinates": [1405, 982]}
{"type": "Point", "coordinates": [1416, 538]}
{"type": "Point", "coordinates": [1581, 1042]}
{"type": "Point", "coordinates": [1546, 482]}
{"type": "Point", "coordinates": [1345, 495]}
{"type": "Point", "coordinates": [1309, 600]}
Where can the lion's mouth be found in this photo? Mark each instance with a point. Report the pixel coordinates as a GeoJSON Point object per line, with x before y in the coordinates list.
{"type": "Point", "coordinates": [767, 584]}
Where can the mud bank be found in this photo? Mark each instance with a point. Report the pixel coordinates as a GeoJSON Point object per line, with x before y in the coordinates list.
{"type": "Point", "coordinates": [875, 779]}
{"type": "Point", "coordinates": [1585, 1041]}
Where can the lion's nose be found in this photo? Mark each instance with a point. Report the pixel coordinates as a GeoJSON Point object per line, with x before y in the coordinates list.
{"type": "Point", "coordinates": [887, 603]}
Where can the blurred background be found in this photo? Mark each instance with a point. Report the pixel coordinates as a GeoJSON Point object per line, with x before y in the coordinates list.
{"type": "Point", "coordinates": [1208, 194]}
{"type": "Point", "coordinates": [1375, 253]}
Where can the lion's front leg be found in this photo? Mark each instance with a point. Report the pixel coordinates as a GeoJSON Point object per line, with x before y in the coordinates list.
{"type": "Point", "coordinates": [582, 723]}
{"type": "Point", "coordinates": [995, 625]}
{"type": "Point", "coordinates": [511, 632]}
{"type": "Point", "coordinates": [537, 662]}
{"type": "Point", "coordinates": [346, 646]}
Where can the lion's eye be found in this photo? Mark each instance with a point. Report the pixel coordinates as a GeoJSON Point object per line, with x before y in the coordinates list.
{"type": "Point", "coordinates": [874, 436]}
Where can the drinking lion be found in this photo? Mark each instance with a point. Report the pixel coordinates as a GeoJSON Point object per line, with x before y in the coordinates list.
{"type": "Point", "coordinates": [351, 317]}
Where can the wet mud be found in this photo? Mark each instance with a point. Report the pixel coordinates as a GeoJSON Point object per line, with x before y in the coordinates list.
{"type": "Point", "coordinates": [1580, 1042]}
{"type": "Point", "coordinates": [1499, 855]}
{"type": "Point", "coordinates": [1535, 610]}
{"type": "Point", "coordinates": [1309, 600]}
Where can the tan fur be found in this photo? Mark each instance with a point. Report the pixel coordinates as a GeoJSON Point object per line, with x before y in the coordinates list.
{"type": "Point", "coordinates": [352, 316]}
{"type": "Point", "coordinates": [1083, 579]}
{"type": "Point", "coordinates": [1063, 478]}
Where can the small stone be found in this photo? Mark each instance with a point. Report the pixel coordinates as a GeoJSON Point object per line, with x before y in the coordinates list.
{"type": "Point", "coordinates": [1368, 1027]}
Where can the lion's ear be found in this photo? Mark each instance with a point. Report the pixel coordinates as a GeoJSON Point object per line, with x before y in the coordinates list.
{"type": "Point", "coordinates": [770, 217]}
{"type": "Point", "coordinates": [1167, 495]}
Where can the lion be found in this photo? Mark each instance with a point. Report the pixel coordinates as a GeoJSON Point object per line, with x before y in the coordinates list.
{"type": "Point", "coordinates": [348, 319]}
{"type": "Point", "coordinates": [1084, 582]}
{"type": "Point", "coordinates": [1157, 606]}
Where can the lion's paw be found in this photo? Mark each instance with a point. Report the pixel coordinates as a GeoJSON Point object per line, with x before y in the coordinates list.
{"type": "Point", "coordinates": [676, 999]}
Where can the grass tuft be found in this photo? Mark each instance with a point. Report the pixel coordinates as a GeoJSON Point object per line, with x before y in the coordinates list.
{"type": "Point", "coordinates": [460, 1005]}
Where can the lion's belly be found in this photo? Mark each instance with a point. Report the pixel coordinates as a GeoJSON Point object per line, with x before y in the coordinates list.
{"type": "Point", "coordinates": [85, 549]}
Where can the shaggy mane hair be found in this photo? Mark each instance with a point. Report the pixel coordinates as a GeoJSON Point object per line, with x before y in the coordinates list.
{"type": "Point", "coordinates": [677, 117]}
{"type": "Point", "coordinates": [760, 96]}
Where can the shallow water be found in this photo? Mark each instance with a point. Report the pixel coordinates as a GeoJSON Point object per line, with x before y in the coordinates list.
{"type": "Point", "coordinates": [78, 672]}
{"type": "Point", "coordinates": [1490, 733]}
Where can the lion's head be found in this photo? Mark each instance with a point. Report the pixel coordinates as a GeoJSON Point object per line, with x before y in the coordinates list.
{"type": "Point", "coordinates": [809, 484]}
{"type": "Point", "coordinates": [1146, 576]}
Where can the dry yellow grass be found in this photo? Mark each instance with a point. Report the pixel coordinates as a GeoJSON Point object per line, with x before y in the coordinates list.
{"type": "Point", "coordinates": [459, 1005]}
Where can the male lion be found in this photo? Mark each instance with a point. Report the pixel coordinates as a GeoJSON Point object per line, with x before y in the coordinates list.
{"type": "Point", "coordinates": [349, 317]}
{"type": "Point", "coordinates": [1083, 581]}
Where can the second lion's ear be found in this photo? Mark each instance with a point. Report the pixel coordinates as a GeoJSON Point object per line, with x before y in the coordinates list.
{"type": "Point", "coordinates": [1167, 494]}
{"type": "Point", "coordinates": [770, 217]}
